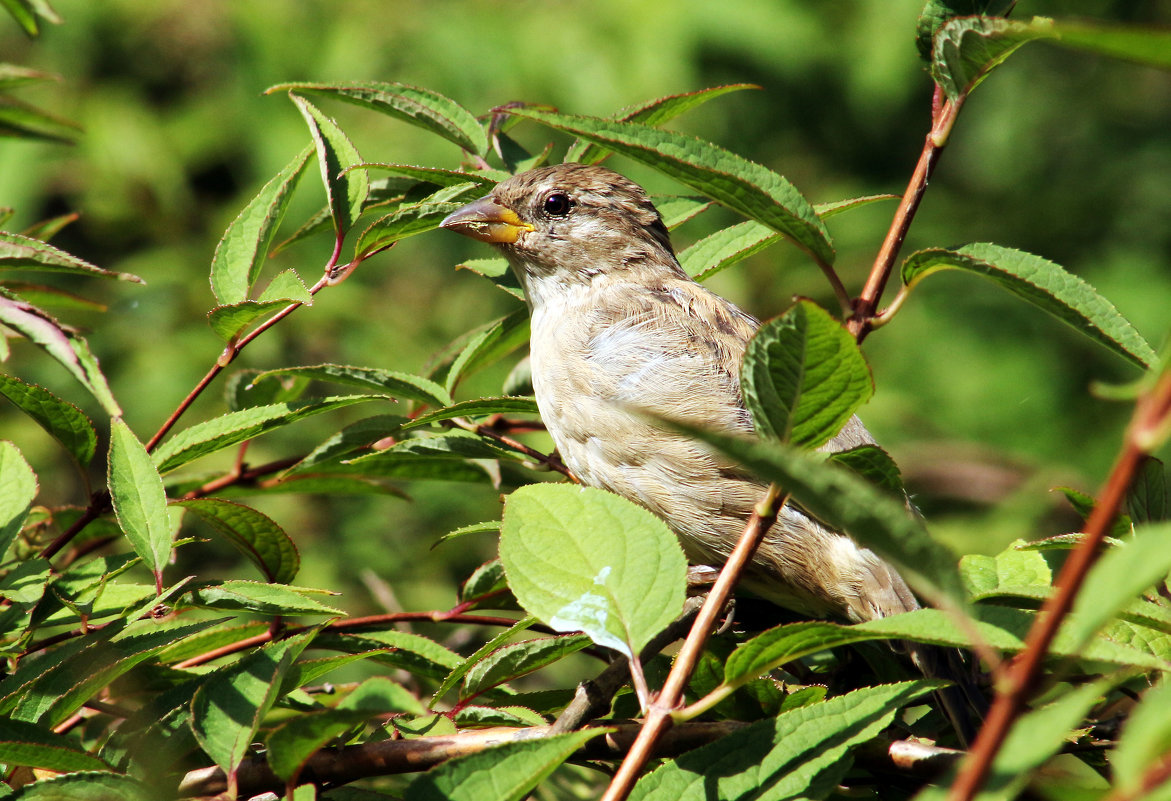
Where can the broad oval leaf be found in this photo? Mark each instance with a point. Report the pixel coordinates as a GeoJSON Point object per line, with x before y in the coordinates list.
{"type": "Point", "coordinates": [236, 427]}
{"type": "Point", "coordinates": [423, 107]}
{"type": "Point", "coordinates": [1042, 283]}
{"type": "Point", "coordinates": [937, 12]}
{"type": "Point", "coordinates": [253, 533]}
{"type": "Point", "coordinates": [245, 244]}
{"type": "Point", "coordinates": [804, 376]}
{"type": "Point", "coordinates": [506, 772]}
{"type": "Point", "coordinates": [744, 186]}
{"type": "Point", "coordinates": [345, 187]}
{"type": "Point", "coordinates": [18, 488]}
{"type": "Point", "coordinates": [65, 422]}
{"type": "Point", "coordinates": [138, 497]}
{"type": "Point", "coordinates": [581, 559]}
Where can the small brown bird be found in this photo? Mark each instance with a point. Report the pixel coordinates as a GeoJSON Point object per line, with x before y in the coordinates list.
{"type": "Point", "coordinates": [617, 325]}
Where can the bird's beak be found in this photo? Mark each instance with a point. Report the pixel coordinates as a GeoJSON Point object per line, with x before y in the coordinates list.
{"type": "Point", "coordinates": [487, 221]}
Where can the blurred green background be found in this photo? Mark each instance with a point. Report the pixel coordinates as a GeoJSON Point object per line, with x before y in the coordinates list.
{"type": "Point", "coordinates": [984, 401]}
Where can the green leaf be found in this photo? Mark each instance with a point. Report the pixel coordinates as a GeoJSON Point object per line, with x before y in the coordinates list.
{"type": "Point", "coordinates": [488, 527]}
{"type": "Point", "coordinates": [140, 502]}
{"type": "Point", "coordinates": [804, 376]}
{"type": "Point", "coordinates": [17, 251]}
{"type": "Point", "coordinates": [65, 422]}
{"type": "Point", "coordinates": [432, 175]}
{"type": "Point", "coordinates": [802, 753]}
{"type": "Point", "coordinates": [24, 743]}
{"type": "Point", "coordinates": [481, 653]}
{"type": "Point", "coordinates": [1146, 500]}
{"type": "Point", "coordinates": [85, 786]}
{"type": "Point", "coordinates": [246, 243]}
{"type": "Point", "coordinates": [387, 382]}
{"type": "Point", "coordinates": [518, 659]}
{"type": "Point", "coordinates": [291, 744]}
{"type": "Point", "coordinates": [306, 671]}
{"type": "Point", "coordinates": [656, 112]}
{"type": "Point", "coordinates": [427, 109]}
{"type": "Point", "coordinates": [849, 503]}
{"type": "Point", "coordinates": [411, 652]}
{"type": "Point", "coordinates": [491, 343]}
{"type": "Point", "coordinates": [18, 489]}
{"type": "Point", "coordinates": [507, 772]}
{"type": "Point", "coordinates": [345, 188]}
{"type": "Point", "coordinates": [477, 408]}
{"type": "Point", "coordinates": [581, 559]}
{"type": "Point", "coordinates": [725, 247]}
{"type": "Point", "coordinates": [227, 709]}
{"type": "Point", "coordinates": [678, 209]}
{"type": "Point", "coordinates": [744, 186]}
{"type": "Point", "coordinates": [1042, 283]}
{"type": "Point", "coordinates": [67, 347]}
{"type": "Point", "coordinates": [20, 120]}
{"type": "Point", "coordinates": [14, 75]}
{"type": "Point", "coordinates": [1012, 571]}
{"type": "Point", "coordinates": [404, 221]}
{"type": "Point", "coordinates": [229, 322]}
{"type": "Point", "coordinates": [1146, 737]}
{"type": "Point", "coordinates": [236, 427]}
{"type": "Point", "coordinates": [966, 49]}
{"type": "Point", "coordinates": [1121, 574]}
{"type": "Point", "coordinates": [938, 12]}
{"type": "Point", "coordinates": [253, 534]}
{"type": "Point", "coordinates": [875, 465]}
{"type": "Point", "coordinates": [268, 599]}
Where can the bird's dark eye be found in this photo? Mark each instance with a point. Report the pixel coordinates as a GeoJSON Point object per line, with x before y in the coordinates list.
{"type": "Point", "coordinates": [558, 204]}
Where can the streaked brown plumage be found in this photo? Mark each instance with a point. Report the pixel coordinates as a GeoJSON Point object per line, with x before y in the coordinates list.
{"type": "Point", "coordinates": [618, 325]}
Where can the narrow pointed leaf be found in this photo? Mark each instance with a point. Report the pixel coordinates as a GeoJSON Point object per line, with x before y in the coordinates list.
{"type": "Point", "coordinates": [802, 753]}
{"type": "Point", "coordinates": [744, 186]}
{"type": "Point", "coordinates": [68, 348]}
{"type": "Point", "coordinates": [804, 376]}
{"type": "Point", "coordinates": [432, 175]}
{"type": "Point", "coordinates": [1042, 283]}
{"type": "Point", "coordinates": [423, 107]}
{"type": "Point", "coordinates": [507, 772]}
{"type": "Point", "coordinates": [875, 465]}
{"type": "Point", "coordinates": [654, 113]}
{"type": "Point", "coordinates": [45, 230]}
{"type": "Point", "coordinates": [389, 382]}
{"type": "Point", "coordinates": [253, 534]}
{"type": "Point", "coordinates": [245, 245]}
{"type": "Point", "coordinates": [399, 224]}
{"type": "Point", "coordinates": [228, 708]}
{"type": "Point", "coordinates": [482, 653]}
{"type": "Point", "coordinates": [581, 559]}
{"type": "Point", "coordinates": [24, 743]}
{"type": "Point", "coordinates": [849, 503]}
{"type": "Point", "coordinates": [725, 247]}
{"type": "Point", "coordinates": [345, 187]}
{"type": "Point", "coordinates": [491, 343]}
{"type": "Point", "coordinates": [477, 408]}
{"type": "Point", "coordinates": [18, 489]}
{"type": "Point", "coordinates": [24, 252]}
{"type": "Point", "coordinates": [267, 599]}
{"type": "Point", "coordinates": [140, 502]}
{"type": "Point", "coordinates": [1118, 578]}
{"type": "Point", "coordinates": [518, 659]}
{"type": "Point", "coordinates": [236, 427]}
{"type": "Point", "coordinates": [23, 121]}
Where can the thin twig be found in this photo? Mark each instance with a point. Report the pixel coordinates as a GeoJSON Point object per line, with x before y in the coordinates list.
{"type": "Point", "coordinates": [658, 719]}
{"type": "Point", "coordinates": [1151, 412]}
{"type": "Point", "coordinates": [943, 118]}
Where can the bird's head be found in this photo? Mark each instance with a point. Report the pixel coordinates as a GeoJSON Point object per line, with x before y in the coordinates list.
{"type": "Point", "coordinates": [569, 221]}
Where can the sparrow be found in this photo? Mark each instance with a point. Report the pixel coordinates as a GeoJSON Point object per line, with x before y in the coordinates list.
{"type": "Point", "coordinates": [620, 335]}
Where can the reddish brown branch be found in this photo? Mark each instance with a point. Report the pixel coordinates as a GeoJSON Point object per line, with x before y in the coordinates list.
{"type": "Point", "coordinates": [658, 719]}
{"type": "Point", "coordinates": [1151, 413]}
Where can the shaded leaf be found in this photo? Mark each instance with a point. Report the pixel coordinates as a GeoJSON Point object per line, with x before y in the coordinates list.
{"type": "Point", "coordinates": [23, 743]}
{"type": "Point", "coordinates": [85, 786]}
{"type": "Point", "coordinates": [18, 489]}
{"type": "Point", "coordinates": [938, 12]}
{"type": "Point", "coordinates": [64, 421]}
{"type": "Point", "coordinates": [253, 534]}
{"type": "Point", "coordinates": [20, 120]}
{"type": "Point", "coordinates": [477, 408]}
{"type": "Point", "coordinates": [517, 659]}
{"type": "Point", "coordinates": [388, 382]}
{"type": "Point", "coordinates": [875, 465]}
{"type": "Point", "coordinates": [489, 344]}
{"type": "Point", "coordinates": [268, 599]}
{"type": "Point", "coordinates": [18, 251]}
